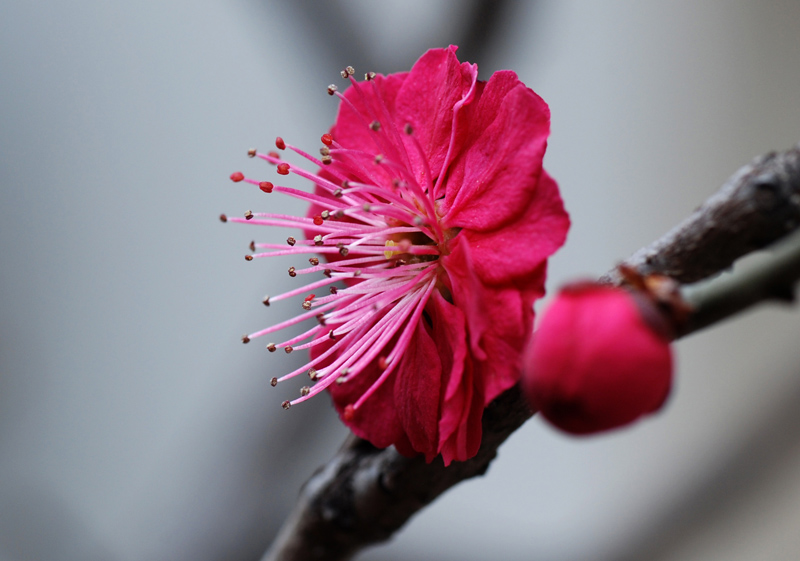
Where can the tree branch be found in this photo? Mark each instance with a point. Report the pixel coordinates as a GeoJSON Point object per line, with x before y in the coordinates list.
{"type": "Point", "coordinates": [364, 494]}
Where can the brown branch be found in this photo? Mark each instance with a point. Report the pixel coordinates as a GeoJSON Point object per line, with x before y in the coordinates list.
{"type": "Point", "coordinates": [364, 494]}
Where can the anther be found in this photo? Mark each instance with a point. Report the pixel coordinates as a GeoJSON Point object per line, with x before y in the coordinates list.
{"type": "Point", "coordinates": [314, 261]}
{"type": "Point", "coordinates": [326, 160]}
{"type": "Point", "coordinates": [252, 245]}
{"type": "Point", "coordinates": [271, 347]}
{"type": "Point", "coordinates": [345, 184]}
{"type": "Point", "coordinates": [339, 214]}
{"type": "Point", "coordinates": [248, 257]}
{"type": "Point", "coordinates": [248, 215]}
{"type": "Point", "coordinates": [349, 412]}
{"type": "Point", "coordinates": [245, 339]}
{"type": "Point", "coordinates": [375, 125]}
{"type": "Point", "coordinates": [343, 251]}
{"type": "Point", "coordinates": [320, 318]}
{"type": "Point", "coordinates": [336, 193]}
{"type": "Point", "coordinates": [280, 143]}
{"type": "Point", "coordinates": [286, 404]}
{"type": "Point", "coordinates": [305, 390]}
{"type": "Point", "coordinates": [223, 218]}
{"type": "Point", "coordinates": [327, 139]}
{"type": "Point", "coordinates": [312, 373]}
{"type": "Point", "coordinates": [332, 89]}
{"type": "Point", "coordinates": [367, 207]}
{"type": "Point", "coordinates": [408, 129]}
{"type": "Point", "coordinates": [318, 240]}
{"type": "Point", "coordinates": [324, 151]}
{"type": "Point", "coordinates": [310, 297]}
{"type": "Point", "coordinates": [251, 153]}
{"type": "Point", "coordinates": [341, 380]}
{"type": "Point", "coordinates": [306, 305]}
{"type": "Point", "coordinates": [382, 363]}
{"type": "Point", "coordinates": [333, 290]}
{"type": "Point", "coordinates": [273, 382]}
{"type": "Point", "coordinates": [273, 154]}
{"type": "Point", "coordinates": [283, 168]}
{"type": "Point", "coordinates": [292, 272]}
{"type": "Point", "coordinates": [237, 176]}
{"type": "Point", "coordinates": [369, 76]}
{"type": "Point", "coordinates": [266, 186]}
{"type": "Point", "coordinates": [327, 273]}
{"type": "Point", "coordinates": [291, 241]}
{"type": "Point", "coordinates": [288, 349]}
{"type": "Point", "coordinates": [325, 214]}
{"type": "Point", "coordinates": [265, 301]}
{"type": "Point", "coordinates": [331, 335]}
{"type": "Point", "coordinates": [318, 220]}
{"type": "Point", "coordinates": [378, 158]}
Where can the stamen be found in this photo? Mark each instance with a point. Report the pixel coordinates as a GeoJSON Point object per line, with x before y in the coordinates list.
{"type": "Point", "coordinates": [237, 176]}
{"type": "Point", "coordinates": [280, 143]}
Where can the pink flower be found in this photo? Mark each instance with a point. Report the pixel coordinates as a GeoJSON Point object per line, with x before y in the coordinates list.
{"type": "Point", "coordinates": [436, 219]}
{"type": "Point", "coordinates": [595, 362]}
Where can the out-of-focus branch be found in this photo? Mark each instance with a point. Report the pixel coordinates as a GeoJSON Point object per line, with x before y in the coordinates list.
{"type": "Point", "coordinates": [363, 495]}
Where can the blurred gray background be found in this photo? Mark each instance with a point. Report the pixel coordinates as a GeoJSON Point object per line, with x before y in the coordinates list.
{"type": "Point", "coordinates": [133, 423]}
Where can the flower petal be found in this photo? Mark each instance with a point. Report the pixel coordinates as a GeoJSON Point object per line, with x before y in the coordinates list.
{"type": "Point", "coordinates": [436, 85]}
{"type": "Point", "coordinates": [517, 250]}
{"type": "Point", "coordinates": [499, 318]}
{"type": "Point", "coordinates": [502, 138]}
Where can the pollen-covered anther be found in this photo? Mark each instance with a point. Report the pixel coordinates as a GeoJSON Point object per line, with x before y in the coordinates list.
{"type": "Point", "coordinates": [251, 153]}
{"type": "Point", "coordinates": [271, 347]}
{"type": "Point", "coordinates": [327, 139]}
{"type": "Point", "coordinates": [325, 214]}
{"type": "Point", "coordinates": [314, 261]}
{"type": "Point", "coordinates": [341, 380]}
{"type": "Point", "coordinates": [248, 215]}
{"type": "Point", "coordinates": [266, 186]}
{"type": "Point", "coordinates": [306, 305]}
{"type": "Point", "coordinates": [223, 218]}
{"type": "Point", "coordinates": [326, 160]}
{"type": "Point", "coordinates": [408, 129]}
{"type": "Point", "coordinates": [237, 176]}
{"type": "Point", "coordinates": [327, 273]}
{"type": "Point", "coordinates": [283, 168]}
{"type": "Point", "coordinates": [305, 390]}
{"type": "Point", "coordinates": [288, 349]}
{"type": "Point", "coordinates": [248, 257]}
{"type": "Point", "coordinates": [332, 89]}
{"type": "Point", "coordinates": [312, 374]}
{"type": "Point", "coordinates": [337, 193]}
{"type": "Point", "coordinates": [273, 382]}
{"type": "Point", "coordinates": [378, 158]}
{"type": "Point", "coordinates": [292, 272]}
{"type": "Point", "coordinates": [286, 404]}
{"type": "Point", "coordinates": [369, 76]}
{"type": "Point", "coordinates": [318, 240]}
{"type": "Point", "coordinates": [339, 214]}
{"type": "Point", "coordinates": [343, 251]}
{"type": "Point", "coordinates": [290, 240]}
{"type": "Point", "coordinates": [389, 252]}
{"type": "Point", "coordinates": [265, 301]}
{"type": "Point", "coordinates": [333, 290]}
{"type": "Point", "coordinates": [280, 143]}
{"type": "Point", "coordinates": [366, 207]}
{"type": "Point", "coordinates": [324, 151]}
{"type": "Point", "coordinates": [245, 339]}
{"type": "Point", "coordinates": [331, 335]}
{"type": "Point", "coordinates": [348, 71]}
{"type": "Point", "coordinates": [375, 125]}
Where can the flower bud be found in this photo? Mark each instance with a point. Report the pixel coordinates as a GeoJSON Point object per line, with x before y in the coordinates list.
{"type": "Point", "coordinates": [599, 359]}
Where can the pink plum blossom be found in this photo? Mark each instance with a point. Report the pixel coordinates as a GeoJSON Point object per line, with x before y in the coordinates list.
{"type": "Point", "coordinates": [434, 219]}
